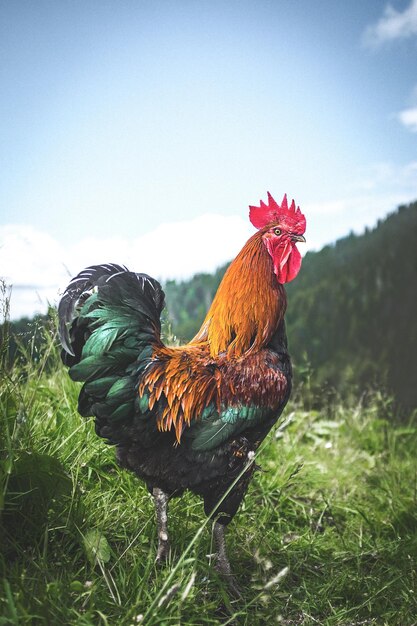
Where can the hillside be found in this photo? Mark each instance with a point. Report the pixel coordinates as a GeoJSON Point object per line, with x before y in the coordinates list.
{"type": "Point", "coordinates": [352, 309]}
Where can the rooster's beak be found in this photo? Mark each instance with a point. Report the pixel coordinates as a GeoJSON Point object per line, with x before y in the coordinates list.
{"type": "Point", "coordinates": [298, 238]}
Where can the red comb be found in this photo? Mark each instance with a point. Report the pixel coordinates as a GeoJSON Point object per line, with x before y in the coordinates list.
{"type": "Point", "coordinates": [272, 212]}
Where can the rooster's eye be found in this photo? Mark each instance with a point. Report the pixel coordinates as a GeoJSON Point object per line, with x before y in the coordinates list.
{"type": "Point", "coordinates": [277, 231]}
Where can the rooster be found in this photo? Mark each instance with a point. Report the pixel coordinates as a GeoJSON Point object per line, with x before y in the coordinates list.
{"type": "Point", "coordinates": [191, 416]}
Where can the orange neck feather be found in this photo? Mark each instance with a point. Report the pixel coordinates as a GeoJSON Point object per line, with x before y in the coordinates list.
{"type": "Point", "coordinates": [248, 305]}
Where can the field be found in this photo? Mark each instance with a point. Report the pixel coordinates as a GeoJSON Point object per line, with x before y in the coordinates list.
{"type": "Point", "coordinates": [326, 535]}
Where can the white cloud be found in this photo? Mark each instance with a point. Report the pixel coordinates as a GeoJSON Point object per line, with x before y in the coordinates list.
{"type": "Point", "coordinates": [392, 25]}
{"type": "Point", "coordinates": [38, 267]}
{"type": "Point", "coordinates": [23, 250]}
{"type": "Point", "coordinates": [30, 261]}
{"type": "Point", "coordinates": [408, 118]}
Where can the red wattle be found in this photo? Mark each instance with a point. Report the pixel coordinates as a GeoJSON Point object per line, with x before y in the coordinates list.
{"type": "Point", "coordinates": [294, 264]}
{"type": "Point", "coordinates": [287, 263]}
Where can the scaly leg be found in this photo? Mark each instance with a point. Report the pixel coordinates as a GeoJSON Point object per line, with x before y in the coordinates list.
{"type": "Point", "coordinates": [161, 506]}
{"type": "Point", "coordinates": [222, 562]}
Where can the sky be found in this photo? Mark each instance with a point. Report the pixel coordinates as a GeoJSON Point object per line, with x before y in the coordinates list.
{"type": "Point", "coordinates": [139, 131]}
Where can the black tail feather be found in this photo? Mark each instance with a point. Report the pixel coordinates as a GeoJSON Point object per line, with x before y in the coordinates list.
{"type": "Point", "coordinates": [109, 323]}
{"type": "Point", "coordinates": [83, 285]}
{"type": "Point", "coordinates": [77, 292]}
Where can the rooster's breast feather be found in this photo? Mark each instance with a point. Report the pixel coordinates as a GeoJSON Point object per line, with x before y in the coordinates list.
{"type": "Point", "coordinates": [207, 400]}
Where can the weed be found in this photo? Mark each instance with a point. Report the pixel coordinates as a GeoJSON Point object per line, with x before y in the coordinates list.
{"type": "Point", "coordinates": [326, 534]}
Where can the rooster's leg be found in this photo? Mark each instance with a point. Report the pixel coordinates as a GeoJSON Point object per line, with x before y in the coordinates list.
{"type": "Point", "coordinates": [161, 506]}
{"type": "Point", "coordinates": [222, 561]}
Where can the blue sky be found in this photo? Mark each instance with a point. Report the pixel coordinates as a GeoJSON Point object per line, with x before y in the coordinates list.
{"type": "Point", "coordinates": [140, 131]}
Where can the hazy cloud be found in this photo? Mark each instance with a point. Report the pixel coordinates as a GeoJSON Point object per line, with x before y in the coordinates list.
{"type": "Point", "coordinates": [38, 267]}
{"type": "Point", "coordinates": [392, 25]}
{"type": "Point", "coordinates": [391, 179]}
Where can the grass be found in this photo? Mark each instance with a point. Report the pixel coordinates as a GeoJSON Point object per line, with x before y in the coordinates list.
{"type": "Point", "coordinates": [326, 535]}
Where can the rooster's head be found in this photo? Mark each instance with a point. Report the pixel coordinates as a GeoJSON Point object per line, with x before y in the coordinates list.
{"type": "Point", "coordinates": [281, 227]}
